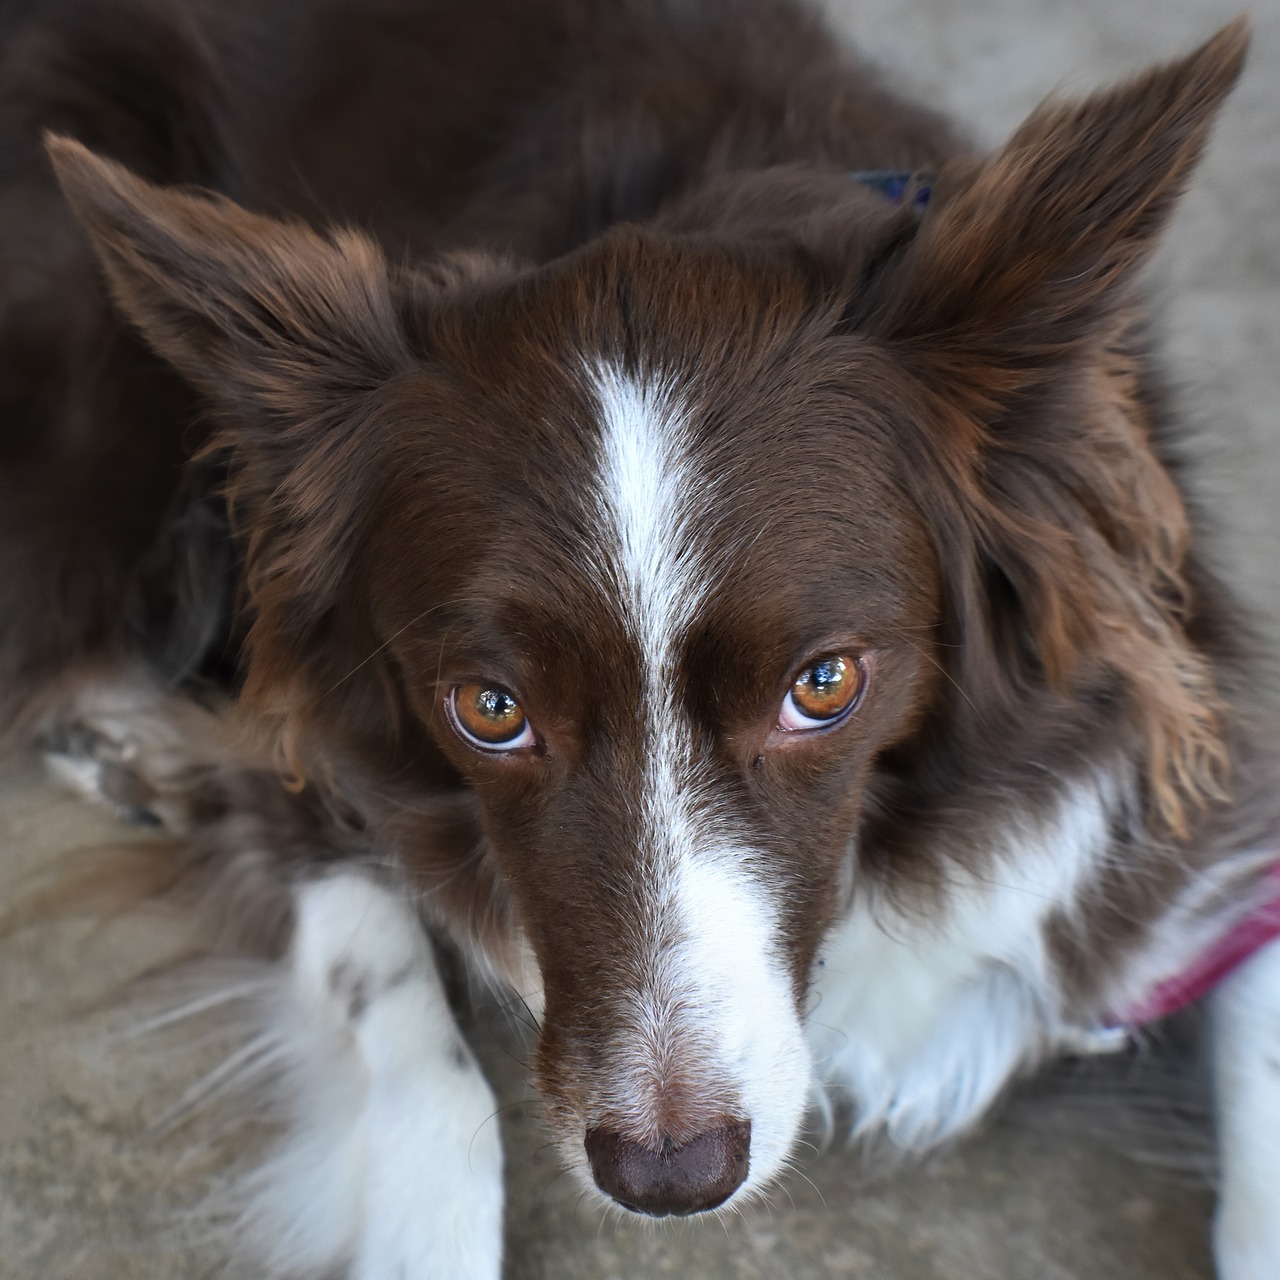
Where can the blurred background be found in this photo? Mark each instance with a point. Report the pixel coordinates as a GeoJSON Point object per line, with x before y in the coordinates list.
{"type": "Point", "coordinates": [92, 1189]}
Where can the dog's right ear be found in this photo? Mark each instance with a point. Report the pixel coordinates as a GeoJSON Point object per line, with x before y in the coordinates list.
{"type": "Point", "coordinates": [291, 334]}
{"type": "Point", "coordinates": [270, 319]}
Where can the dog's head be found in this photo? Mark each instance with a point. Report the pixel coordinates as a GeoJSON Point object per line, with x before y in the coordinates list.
{"type": "Point", "coordinates": [725, 560]}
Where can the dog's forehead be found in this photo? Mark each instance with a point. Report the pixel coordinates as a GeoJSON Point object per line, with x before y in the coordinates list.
{"type": "Point", "coordinates": [645, 531]}
{"type": "Point", "coordinates": [670, 443]}
{"type": "Point", "coordinates": [671, 358]}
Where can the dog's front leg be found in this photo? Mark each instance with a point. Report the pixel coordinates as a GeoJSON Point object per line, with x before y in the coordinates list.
{"type": "Point", "coordinates": [1246, 1050]}
{"type": "Point", "coordinates": [391, 1168]}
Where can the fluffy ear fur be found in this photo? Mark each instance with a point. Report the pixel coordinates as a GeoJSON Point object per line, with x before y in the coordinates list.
{"type": "Point", "coordinates": [1022, 259]}
{"type": "Point", "coordinates": [291, 334]}
{"type": "Point", "coordinates": [1013, 308]}
{"type": "Point", "coordinates": [264, 316]}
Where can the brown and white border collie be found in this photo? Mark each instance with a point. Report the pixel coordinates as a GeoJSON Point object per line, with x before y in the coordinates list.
{"type": "Point", "coordinates": [692, 538]}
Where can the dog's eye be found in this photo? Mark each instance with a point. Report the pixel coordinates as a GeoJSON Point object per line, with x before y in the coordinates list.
{"type": "Point", "coordinates": [488, 717]}
{"type": "Point", "coordinates": [823, 694]}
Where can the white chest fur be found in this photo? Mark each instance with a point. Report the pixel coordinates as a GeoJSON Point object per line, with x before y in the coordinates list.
{"type": "Point", "coordinates": [922, 1018]}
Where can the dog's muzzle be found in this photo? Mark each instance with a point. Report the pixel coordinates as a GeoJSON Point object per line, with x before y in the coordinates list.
{"type": "Point", "coordinates": [694, 1177]}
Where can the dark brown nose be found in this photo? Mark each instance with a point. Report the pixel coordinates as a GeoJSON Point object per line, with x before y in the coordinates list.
{"type": "Point", "coordinates": [692, 1178]}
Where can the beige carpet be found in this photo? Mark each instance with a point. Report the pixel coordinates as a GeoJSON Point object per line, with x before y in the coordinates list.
{"type": "Point", "coordinates": [89, 1190]}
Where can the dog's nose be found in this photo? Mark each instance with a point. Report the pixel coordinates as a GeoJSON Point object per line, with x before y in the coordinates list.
{"type": "Point", "coordinates": [691, 1178]}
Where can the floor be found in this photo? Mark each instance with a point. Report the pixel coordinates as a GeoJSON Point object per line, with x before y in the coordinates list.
{"type": "Point", "coordinates": [93, 1188]}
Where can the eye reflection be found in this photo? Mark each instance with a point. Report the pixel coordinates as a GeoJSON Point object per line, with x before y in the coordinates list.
{"type": "Point", "coordinates": [488, 717]}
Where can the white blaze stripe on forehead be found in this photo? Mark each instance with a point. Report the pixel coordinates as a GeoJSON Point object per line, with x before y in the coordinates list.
{"type": "Point", "coordinates": [648, 485]}
{"type": "Point", "coordinates": [713, 993]}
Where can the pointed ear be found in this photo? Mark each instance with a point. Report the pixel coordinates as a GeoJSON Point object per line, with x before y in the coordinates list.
{"type": "Point", "coordinates": [264, 316]}
{"type": "Point", "coordinates": [1013, 307]}
{"type": "Point", "coordinates": [1021, 258]}
{"type": "Point", "coordinates": [291, 334]}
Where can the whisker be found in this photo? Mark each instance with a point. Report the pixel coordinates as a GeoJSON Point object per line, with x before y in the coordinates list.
{"type": "Point", "coordinates": [246, 1062]}
{"type": "Point", "coordinates": [395, 635]}
{"type": "Point", "coordinates": [198, 1005]}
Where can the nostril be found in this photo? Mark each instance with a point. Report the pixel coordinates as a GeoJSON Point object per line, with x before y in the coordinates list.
{"type": "Point", "coordinates": [691, 1178]}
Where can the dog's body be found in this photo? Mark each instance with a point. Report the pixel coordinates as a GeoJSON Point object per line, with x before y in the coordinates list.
{"type": "Point", "coordinates": [722, 590]}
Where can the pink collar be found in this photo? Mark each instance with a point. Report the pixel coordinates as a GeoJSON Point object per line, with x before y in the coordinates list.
{"type": "Point", "coordinates": [1244, 938]}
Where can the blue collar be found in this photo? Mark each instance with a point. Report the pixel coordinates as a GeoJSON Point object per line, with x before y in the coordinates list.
{"type": "Point", "coordinates": [898, 185]}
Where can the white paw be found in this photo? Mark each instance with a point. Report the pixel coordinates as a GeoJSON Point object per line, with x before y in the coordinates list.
{"type": "Point", "coordinates": [393, 1165]}
{"type": "Point", "coordinates": [1246, 1044]}
{"type": "Point", "coordinates": [99, 769]}
{"type": "Point", "coordinates": [130, 745]}
{"type": "Point", "coordinates": [354, 941]}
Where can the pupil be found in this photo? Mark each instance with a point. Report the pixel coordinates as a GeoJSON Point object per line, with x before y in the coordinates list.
{"type": "Point", "coordinates": [495, 704]}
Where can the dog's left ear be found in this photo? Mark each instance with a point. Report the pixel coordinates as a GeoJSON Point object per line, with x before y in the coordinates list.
{"type": "Point", "coordinates": [1020, 261]}
{"type": "Point", "coordinates": [1012, 306]}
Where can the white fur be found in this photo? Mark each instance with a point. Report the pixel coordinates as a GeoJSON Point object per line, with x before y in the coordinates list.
{"type": "Point", "coordinates": [649, 489]}
{"type": "Point", "coordinates": [391, 1166]}
{"type": "Point", "coordinates": [1246, 1044]}
{"type": "Point", "coordinates": [81, 774]}
{"type": "Point", "coordinates": [923, 1019]}
{"type": "Point", "coordinates": [713, 986]}
{"type": "Point", "coordinates": [745, 1004]}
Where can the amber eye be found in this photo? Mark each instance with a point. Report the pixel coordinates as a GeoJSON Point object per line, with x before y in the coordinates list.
{"type": "Point", "coordinates": [823, 694]}
{"type": "Point", "coordinates": [488, 717]}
